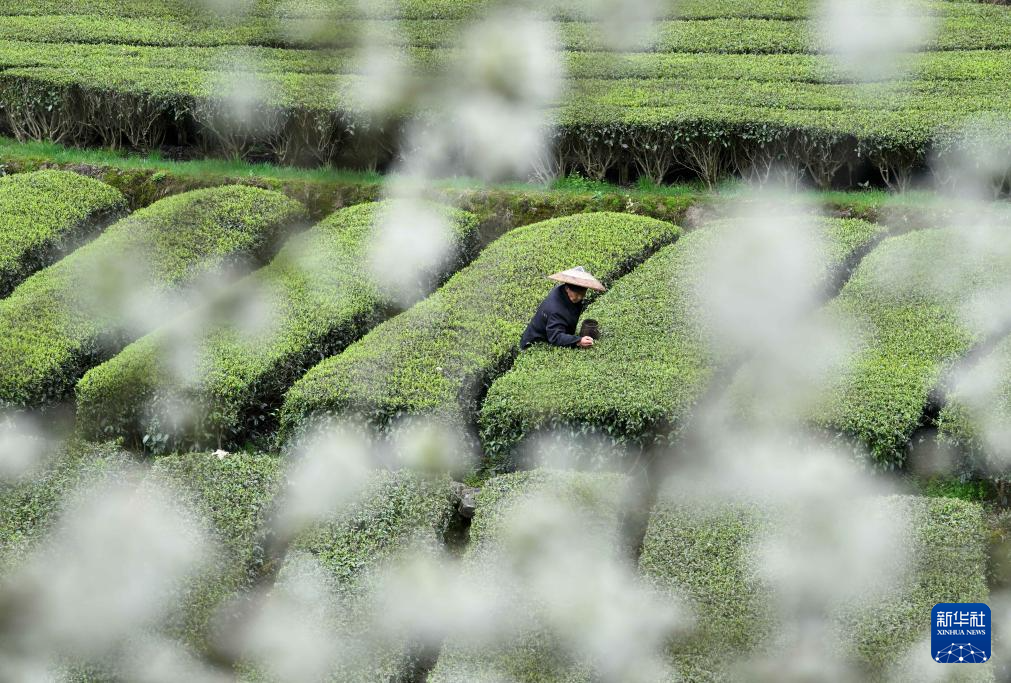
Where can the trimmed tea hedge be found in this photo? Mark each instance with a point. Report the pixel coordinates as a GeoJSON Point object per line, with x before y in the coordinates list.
{"type": "Point", "coordinates": [655, 356]}
{"type": "Point", "coordinates": [398, 9]}
{"type": "Point", "coordinates": [437, 357]}
{"type": "Point", "coordinates": [399, 512]}
{"type": "Point", "coordinates": [230, 497]}
{"type": "Point", "coordinates": [44, 214]}
{"type": "Point", "coordinates": [907, 303]}
{"type": "Point", "coordinates": [977, 412]}
{"type": "Point", "coordinates": [320, 299]}
{"type": "Point", "coordinates": [29, 509]}
{"type": "Point", "coordinates": [699, 554]}
{"type": "Point", "coordinates": [532, 655]}
{"type": "Point", "coordinates": [969, 28]}
{"type": "Point", "coordinates": [68, 317]}
{"type": "Point", "coordinates": [948, 65]}
{"type": "Point", "coordinates": [425, 9]}
{"type": "Point", "coordinates": [711, 128]}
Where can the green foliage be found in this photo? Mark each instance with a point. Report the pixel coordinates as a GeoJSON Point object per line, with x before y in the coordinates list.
{"type": "Point", "coordinates": [44, 214]}
{"type": "Point", "coordinates": [908, 325]}
{"type": "Point", "coordinates": [947, 65]}
{"type": "Point", "coordinates": [438, 357]}
{"type": "Point", "coordinates": [29, 508]}
{"type": "Point", "coordinates": [963, 28]}
{"type": "Point", "coordinates": [66, 318]}
{"type": "Point", "coordinates": [229, 498]}
{"type": "Point", "coordinates": [700, 554]}
{"type": "Point", "coordinates": [977, 412]}
{"type": "Point", "coordinates": [317, 298]}
{"type": "Point", "coordinates": [129, 83]}
{"type": "Point", "coordinates": [655, 356]}
{"type": "Point", "coordinates": [396, 513]}
{"type": "Point", "coordinates": [532, 655]}
{"type": "Point", "coordinates": [385, 9]}
{"type": "Point", "coordinates": [601, 496]}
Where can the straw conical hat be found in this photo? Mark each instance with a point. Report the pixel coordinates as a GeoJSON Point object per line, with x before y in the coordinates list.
{"type": "Point", "coordinates": [579, 277]}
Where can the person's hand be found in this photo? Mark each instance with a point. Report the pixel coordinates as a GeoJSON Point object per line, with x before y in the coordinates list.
{"type": "Point", "coordinates": [585, 342]}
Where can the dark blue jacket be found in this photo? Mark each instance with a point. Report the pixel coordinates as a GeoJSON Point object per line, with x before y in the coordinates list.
{"type": "Point", "coordinates": [554, 322]}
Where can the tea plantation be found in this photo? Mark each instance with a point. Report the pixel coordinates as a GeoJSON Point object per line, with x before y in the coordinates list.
{"type": "Point", "coordinates": [335, 350]}
{"type": "Point", "coordinates": [213, 327]}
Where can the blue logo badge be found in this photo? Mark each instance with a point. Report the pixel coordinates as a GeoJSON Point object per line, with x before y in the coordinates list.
{"type": "Point", "coordinates": [960, 633]}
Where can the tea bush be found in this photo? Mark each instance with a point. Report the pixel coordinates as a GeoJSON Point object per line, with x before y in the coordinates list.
{"type": "Point", "coordinates": [44, 214]}
{"type": "Point", "coordinates": [977, 411]}
{"type": "Point", "coordinates": [700, 554]}
{"type": "Point", "coordinates": [388, 9]}
{"type": "Point", "coordinates": [229, 498]}
{"type": "Point", "coordinates": [398, 513]}
{"type": "Point", "coordinates": [906, 305]}
{"type": "Point", "coordinates": [437, 357]}
{"type": "Point", "coordinates": [597, 504]}
{"type": "Point", "coordinates": [966, 28]}
{"type": "Point", "coordinates": [317, 296]}
{"type": "Point", "coordinates": [76, 313]}
{"type": "Point", "coordinates": [29, 508]}
{"type": "Point", "coordinates": [654, 359]}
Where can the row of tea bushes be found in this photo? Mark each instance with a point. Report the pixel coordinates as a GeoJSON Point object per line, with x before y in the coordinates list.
{"type": "Point", "coordinates": [567, 10]}
{"type": "Point", "coordinates": [398, 515]}
{"type": "Point", "coordinates": [656, 356]}
{"type": "Point", "coordinates": [712, 127]}
{"type": "Point", "coordinates": [317, 296]}
{"type": "Point", "coordinates": [986, 95]}
{"type": "Point", "coordinates": [977, 412]}
{"type": "Point", "coordinates": [438, 357]}
{"type": "Point", "coordinates": [970, 27]}
{"type": "Point", "coordinates": [396, 9]}
{"type": "Point", "coordinates": [44, 214]}
{"type": "Point", "coordinates": [72, 315]}
{"type": "Point", "coordinates": [229, 498]}
{"type": "Point", "coordinates": [700, 553]}
{"type": "Point", "coordinates": [911, 307]}
{"type": "Point", "coordinates": [30, 507]}
{"type": "Point", "coordinates": [226, 498]}
{"type": "Point", "coordinates": [947, 65]}
{"type": "Point", "coordinates": [592, 506]}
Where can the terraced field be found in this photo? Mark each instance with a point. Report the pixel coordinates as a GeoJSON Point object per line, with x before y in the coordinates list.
{"type": "Point", "coordinates": [738, 86]}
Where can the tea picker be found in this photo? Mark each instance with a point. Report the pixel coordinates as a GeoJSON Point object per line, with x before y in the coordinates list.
{"type": "Point", "coordinates": [556, 317]}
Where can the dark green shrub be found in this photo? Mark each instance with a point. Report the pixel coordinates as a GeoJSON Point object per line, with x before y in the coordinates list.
{"type": "Point", "coordinates": [74, 314]}
{"type": "Point", "coordinates": [654, 359]}
{"type": "Point", "coordinates": [44, 214]}
{"type": "Point", "coordinates": [319, 298]}
{"type": "Point", "coordinates": [600, 501]}
{"type": "Point", "coordinates": [700, 554]}
{"type": "Point", "coordinates": [437, 357]}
